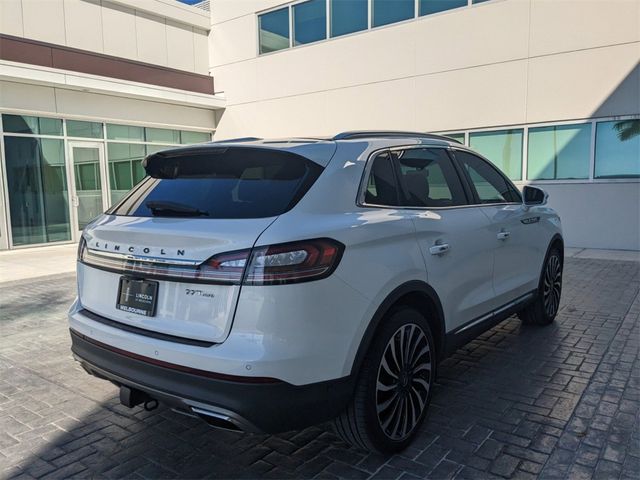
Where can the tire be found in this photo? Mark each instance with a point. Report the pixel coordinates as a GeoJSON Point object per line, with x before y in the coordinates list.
{"type": "Point", "coordinates": [543, 310]}
{"type": "Point", "coordinates": [390, 403]}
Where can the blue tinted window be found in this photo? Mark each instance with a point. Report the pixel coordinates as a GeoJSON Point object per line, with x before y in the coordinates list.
{"type": "Point", "coordinates": [348, 16]}
{"type": "Point", "coordinates": [560, 151]}
{"type": "Point", "coordinates": [618, 149]}
{"type": "Point", "coordinates": [390, 11]}
{"type": "Point", "coordinates": [434, 6]}
{"type": "Point", "coordinates": [479, 1]}
{"type": "Point", "coordinates": [274, 30]}
{"type": "Point", "coordinates": [309, 22]}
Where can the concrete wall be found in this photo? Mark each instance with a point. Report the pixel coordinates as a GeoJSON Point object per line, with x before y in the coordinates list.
{"type": "Point", "coordinates": [598, 215]}
{"type": "Point", "coordinates": [498, 63]}
{"type": "Point", "coordinates": [161, 32]}
{"type": "Point", "coordinates": [502, 62]}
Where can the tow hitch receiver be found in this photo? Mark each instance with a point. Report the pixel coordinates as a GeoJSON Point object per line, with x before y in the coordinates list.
{"type": "Point", "coordinates": [130, 397]}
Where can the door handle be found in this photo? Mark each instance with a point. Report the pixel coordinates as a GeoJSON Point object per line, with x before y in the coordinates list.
{"type": "Point", "coordinates": [503, 235]}
{"type": "Point", "coordinates": [439, 249]}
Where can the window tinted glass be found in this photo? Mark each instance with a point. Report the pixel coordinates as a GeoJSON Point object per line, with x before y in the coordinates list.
{"type": "Point", "coordinates": [348, 16]}
{"type": "Point", "coordinates": [35, 125]}
{"type": "Point", "coordinates": [503, 148]}
{"type": "Point", "coordinates": [381, 186]}
{"type": "Point", "coordinates": [391, 11]}
{"type": "Point", "coordinates": [428, 178]}
{"type": "Point", "coordinates": [309, 22]}
{"type": "Point", "coordinates": [489, 184]}
{"type": "Point", "coordinates": [125, 165]}
{"type": "Point", "coordinates": [274, 30]}
{"type": "Point", "coordinates": [618, 149]}
{"type": "Point", "coordinates": [435, 6]}
{"type": "Point", "coordinates": [76, 128]}
{"type": "Point", "coordinates": [228, 183]}
{"type": "Point", "coordinates": [194, 137]}
{"type": "Point", "coordinates": [162, 135]}
{"type": "Point", "coordinates": [459, 136]}
{"type": "Point", "coordinates": [560, 151]}
{"type": "Point", "coordinates": [125, 132]}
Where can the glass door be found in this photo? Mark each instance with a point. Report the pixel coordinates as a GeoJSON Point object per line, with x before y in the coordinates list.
{"type": "Point", "coordinates": [89, 189]}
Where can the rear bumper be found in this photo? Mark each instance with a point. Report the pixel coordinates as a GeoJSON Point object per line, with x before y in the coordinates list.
{"type": "Point", "coordinates": [255, 407]}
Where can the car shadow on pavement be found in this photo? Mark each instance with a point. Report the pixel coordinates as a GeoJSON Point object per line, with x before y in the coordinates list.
{"type": "Point", "coordinates": [503, 406]}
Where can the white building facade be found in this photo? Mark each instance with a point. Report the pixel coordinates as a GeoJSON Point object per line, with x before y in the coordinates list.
{"type": "Point", "coordinates": [549, 90]}
{"type": "Point", "coordinates": [87, 89]}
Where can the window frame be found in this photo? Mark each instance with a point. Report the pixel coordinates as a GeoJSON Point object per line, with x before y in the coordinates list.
{"type": "Point", "coordinates": [469, 182]}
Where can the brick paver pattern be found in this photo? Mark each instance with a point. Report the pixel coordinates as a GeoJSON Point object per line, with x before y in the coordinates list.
{"type": "Point", "coordinates": [518, 402]}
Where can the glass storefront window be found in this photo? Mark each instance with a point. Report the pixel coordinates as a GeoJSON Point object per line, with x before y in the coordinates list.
{"type": "Point", "coordinates": [31, 125]}
{"type": "Point", "coordinates": [194, 137]}
{"type": "Point", "coordinates": [348, 16]}
{"type": "Point", "coordinates": [76, 128]}
{"type": "Point", "coordinates": [309, 22]}
{"type": "Point", "coordinates": [559, 152]}
{"type": "Point", "coordinates": [391, 11]}
{"type": "Point", "coordinates": [162, 135]}
{"type": "Point", "coordinates": [125, 168]}
{"type": "Point", "coordinates": [125, 132]}
{"type": "Point", "coordinates": [459, 136]}
{"type": "Point", "coordinates": [428, 7]}
{"type": "Point", "coordinates": [274, 30]}
{"type": "Point", "coordinates": [503, 148]}
{"type": "Point", "coordinates": [618, 149]}
{"type": "Point", "coordinates": [37, 190]}
{"type": "Point", "coordinates": [86, 166]}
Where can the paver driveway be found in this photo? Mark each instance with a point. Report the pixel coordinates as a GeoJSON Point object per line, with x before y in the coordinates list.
{"type": "Point", "coordinates": [518, 402]}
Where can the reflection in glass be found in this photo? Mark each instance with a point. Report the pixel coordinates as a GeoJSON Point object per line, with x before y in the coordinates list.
{"type": "Point", "coordinates": [76, 128]}
{"type": "Point", "coordinates": [458, 136]}
{"type": "Point", "coordinates": [428, 7]}
{"type": "Point", "coordinates": [86, 166]}
{"type": "Point", "coordinates": [309, 22]}
{"type": "Point", "coordinates": [503, 148]}
{"type": "Point", "coordinates": [618, 149]}
{"type": "Point", "coordinates": [348, 16]}
{"type": "Point", "coordinates": [32, 125]}
{"type": "Point", "coordinates": [194, 137]}
{"type": "Point", "coordinates": [125, 132]}
{"type": "Point", "coordinates": [37, 189]}
{"type": "Point", "coordinates": [391, 11]}
{"type": "Point", "coordinates": [125, 168]}
{"type": "Point", "coordinates": [274, 30]}
{"type": "Point", "coordinates": [162, 135]}
{"type": "Point", "coordinates": [560, 151]}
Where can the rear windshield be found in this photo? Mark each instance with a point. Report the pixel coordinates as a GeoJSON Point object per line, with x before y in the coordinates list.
{"type": "Point", "coordinates": [222, 183]}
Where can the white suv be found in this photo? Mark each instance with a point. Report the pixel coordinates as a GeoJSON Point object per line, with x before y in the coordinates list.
{"type": "Point", "coordinates": [270, 285]}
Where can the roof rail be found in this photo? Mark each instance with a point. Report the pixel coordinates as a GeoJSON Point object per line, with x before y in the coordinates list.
{"type": "Point", "coordinates": [238, 140]}
{"type": "Point", "coordinates": [354, 134]}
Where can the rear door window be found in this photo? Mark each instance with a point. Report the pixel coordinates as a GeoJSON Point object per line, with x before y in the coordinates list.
{"type": "Point", "coordinates": [428, 178]}
{"type": "Point", "coordinates": [220, 183]}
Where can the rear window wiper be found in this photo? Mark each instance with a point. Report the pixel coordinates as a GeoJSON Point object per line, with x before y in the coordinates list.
{"type": "Point", "coordinates": [159, 208]}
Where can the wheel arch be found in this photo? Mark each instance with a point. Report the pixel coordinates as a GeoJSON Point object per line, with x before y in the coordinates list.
{"type": "Point", "coordinates": [417, 294]}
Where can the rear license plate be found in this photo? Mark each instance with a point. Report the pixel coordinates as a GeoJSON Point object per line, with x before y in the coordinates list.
{"type": "Point", "coordinates": [137, 296]}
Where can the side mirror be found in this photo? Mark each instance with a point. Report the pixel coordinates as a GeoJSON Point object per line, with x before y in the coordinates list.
{"type": "Point", "coordinates": [534, 195]}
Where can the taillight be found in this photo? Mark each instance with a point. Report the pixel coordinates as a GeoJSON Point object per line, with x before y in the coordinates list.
{"type": "Point", "coordinates": [225, 267]}
{"type": "Point", "coordinates": [270, 265]}
{"type": "Point", "coordinates": [293, 262]}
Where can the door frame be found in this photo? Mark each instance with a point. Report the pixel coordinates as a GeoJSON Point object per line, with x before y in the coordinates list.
{"type": "Point", "coordinates": [71, 179]}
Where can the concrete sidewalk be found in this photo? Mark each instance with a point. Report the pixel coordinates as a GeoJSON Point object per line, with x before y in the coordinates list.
{"type": "Point", "coordinates": [36, 262]}
{"type": "Point", "coordinates": [40, 261]}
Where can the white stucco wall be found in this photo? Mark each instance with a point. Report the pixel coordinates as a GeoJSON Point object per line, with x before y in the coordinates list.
{"type": "Point", "coordinates": [161, 32]}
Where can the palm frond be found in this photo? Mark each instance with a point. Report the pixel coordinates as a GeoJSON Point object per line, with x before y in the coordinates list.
{"type": "Point", "coordinates": [627, 129]}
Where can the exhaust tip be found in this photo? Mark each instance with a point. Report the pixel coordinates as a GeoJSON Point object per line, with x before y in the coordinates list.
{"type": "Point", "coordinates": [217, 420]}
